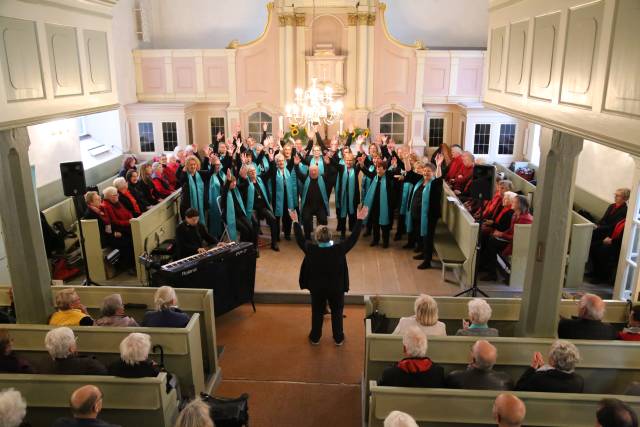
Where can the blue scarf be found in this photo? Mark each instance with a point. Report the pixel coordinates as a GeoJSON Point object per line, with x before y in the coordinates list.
{"type": "Point", "coordinates": [281, 182]}
{"type": "Point", "coordinates": [347, 184]}
{"type": "Point", "coordinates": [384, 206]}
{"type": "Point", "coordinates": [404, 203]}
{"type": "Point", "coordinates": [325, 244]}
{"type": "Point", "coordinates": [323, 192]}
{"type": "Point", "coordinates": [215, 218]}
{"type": "Point", "coordinates": [424, 208]}
{"type": "Point", "coordinates": [231, 212]}
{"type": "Point", "coordinates": [319, 163]}
{"type": "Point", "coordinates": [251, 193]}
{"type": "Point", "coordinates": [366, 182]}
{"type": "Point", "coordinates": [196, 195]}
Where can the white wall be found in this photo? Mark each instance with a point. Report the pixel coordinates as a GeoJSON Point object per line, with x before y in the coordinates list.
{"type": "Point", "coordinates": [53, 143]}
{"type": "Point", "coordinates": [439, 23]}
{"type": "Point", "coordinates": [601, 170]}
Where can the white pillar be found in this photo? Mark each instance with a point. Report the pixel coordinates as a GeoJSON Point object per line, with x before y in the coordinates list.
{"type": "Point", "coordinates": [417, 114]}
{"type": "Point", "coordinates": [363, 53]}
{"type": "Point", "coordinates": [544, 277]}
{"type": "Point", "coordinates": [26, 256]}
{"type": "Point", "coordinates": [290, 54]}
{"type": "Point", "coordinates": [621, 279]}
{"type": "Point", "coordinates": [300, 51]}
{"type": "Point", "coordinates": [352, 63]}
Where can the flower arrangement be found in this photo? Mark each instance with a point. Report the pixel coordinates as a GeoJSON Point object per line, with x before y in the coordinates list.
{"type": "Point", "coordinates": [356, 133]}
{"type": "Point", "coordinates": [296, 132]}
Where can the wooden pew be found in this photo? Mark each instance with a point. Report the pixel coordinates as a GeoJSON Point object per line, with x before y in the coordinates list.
{"type": "Point", "coordinates": [579, 243]}
{"type": "Point", "coordinates": [463, 228]}
{"type": "Point", "coordinates": [126, 401]}
{"type": "Point", "coordinates": [182, 347]}
{"type": "Point", "coordinates": [583, 200]}
{"type": "Point", "coordinates": [64, 211]}
{"type": "Point", "coordinates": [191, 301]}
{"type": "Point", "coordinates": [437, 407]}
{"type": "Point", "coordinates": [153, 227]}
{"type": "Point", "coordinates": [505, 311]}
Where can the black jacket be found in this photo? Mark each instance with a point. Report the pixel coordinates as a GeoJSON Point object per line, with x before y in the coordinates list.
{"type": "Point", "coordinates": [124, 200]}
{"type": "Point", "coordinates": [551, 381]}
{"type": "Point", "coordinates": [325, 268]}
{"type": "Point", "coordinates": [78, 422]}
{"type": "Point", "coordinates": [396, 376]}
{"type": "Point", "coordinates": [105, 238]}
{"type": "Point", "coordinates": [190, 238]}
{"type": "Point", "coordinates": [77, 365]}
{"type": "Point", "coordinates": [479, 379]}
{"type": "Point", "coordinates": [139, 370]}
{"type": "Point", "coordinates": [138, 194]}
{"type": "Point", "coordinates": [185, 196]}
{"type": "Point", "coordinates": [585, 329]}
{"type": "Point", "coordinates": [169, 318]}
{"type": "Point", "coordinates": [11, 363]}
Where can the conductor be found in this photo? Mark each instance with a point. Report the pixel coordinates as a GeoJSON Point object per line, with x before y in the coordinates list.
{"type": "Point", "coordinates": [324, 272]}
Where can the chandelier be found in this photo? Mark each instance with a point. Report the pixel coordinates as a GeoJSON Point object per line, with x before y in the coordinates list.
{"type": "Point", "coordinates": [314, 106]}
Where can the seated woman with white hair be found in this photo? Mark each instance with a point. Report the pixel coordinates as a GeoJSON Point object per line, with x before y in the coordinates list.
{"type": "Point", "coordinates": [479, 315]}
{"type": "Point", "coordinates": [167, 314]}
{"type": "Point", "coordinates": [425, 318]}
{"type": "Point", "coordinates": [134, 358]}
{"type": "Point", "coordinates": [62, 347]}
{"type": "Point", "coordinates": [558, 376]}
{"type": "Point", "coordinates": [399, 419]}
{"type": "Point", "coordinates": [416, 369]}
{"type": "Point", "coordinates": [126, 198]}
{"type": "Point", "coordinates": [195, 414]}
{"type": "Point", "coordinates": [13, 408]}
{"type": "Point", "coordinates": [118, 216]}
{"type": "Point", "coordinates": [113, 313]}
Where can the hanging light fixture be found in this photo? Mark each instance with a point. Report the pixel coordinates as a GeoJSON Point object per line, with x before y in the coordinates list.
{"type": "Point", "coordinates": [314, 105]}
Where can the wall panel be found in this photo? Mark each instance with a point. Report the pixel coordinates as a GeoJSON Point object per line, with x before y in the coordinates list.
{"type": "Point", "coordinates": [623, 86]}
{"type": "Point", "coordinates": [97, 50]}
{"type": "Point", "coordinates": [518, 38]}
{"type": "Point", "coordinates": [62, 43]}
{"type": "Point", "coordinates": [436, 76]}
{"type": "Point", "coordinates": [20, 59]}
{"type": "Point", "coordinates": [469, 82]}
{"type": "Point", "coordinates": [184, 75]}
{"type": "Point", "coordinates": [545, 43]}
{"type": "Point", "coordinates": [153, 76]}
{"type": "Point", "coordinates": [583, 38]}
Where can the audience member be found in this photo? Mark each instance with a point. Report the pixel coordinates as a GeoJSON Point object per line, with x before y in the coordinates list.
{"type": "Point", "coordinates": [465, 173]}
{"type": "Point", "coordinates": [128, 164]}
{"type": "Point", "coordinates": [508, 410]}
{"type": "Point", "coordinates": [160, 184]}
{"type": "Point", "coordinates": [61, 345]}
{"type": "Point", "coordinates": [70, 311]}
{"type": "Point", "coordinates": [13, 408]}
{"type": "Point", "coordinates": [113, 313]}
{"type": "Point", "coordinates": [9, 361]}
{"type": "Point", "coordinates": [134, 358]}
{"type": "Point", "coordinates": [479, 315]}
{"type": "Point", "coordinates": [426, 318]}
{"type": "Point", "coordinates": [615, 413]}
{"type": "Point", "coordinates": [632, 331]}
{"type": "Point", "coordinates": [136, 190]}
{"type": "Point", "coordinates": [195, 414]}
{"type": "Point", "coordinates": [588, 325]}
{"type": "Point", "coordinates": [558, 376]}
{"type": "Point", "coordinates": [416, 369]}
{"type": "Point", "coordinates": [86, 404]}
{"type": "Point", "coordinates": [399, 419]}
{"type": "Point", "coordinates": [167, 314]}
{"type": "Point", "coordinates": [145, 184]}
{"type": "Point", "coordinates": [480, 375]}
{"type": "Point", "coordinates": [126, 198]}
{"type": "Point", "coordinates": [117, 215]}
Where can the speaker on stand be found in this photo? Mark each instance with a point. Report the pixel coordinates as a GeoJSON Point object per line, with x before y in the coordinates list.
{"type": "Point", "coordinates": [482, 188]}
{"type": "Point", "coordinates": [74, 185]}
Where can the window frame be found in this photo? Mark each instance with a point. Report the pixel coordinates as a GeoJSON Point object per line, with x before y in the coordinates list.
{"type": "Point", "coordinates": [393, 135]}
{"type": "Point", "coordinates": [165, 132]}
{"type": "Point", "coordinates": [513, 141]}
{"type": "Point", "coordinates": [142, 132]}
{"type": "Point", "coordinates": [258, 136]}
{"type": "Point", "coordinates": [488, 140]}
{"type": "Point", "coordinates": [223, 128]}
{"type": "Point", "coordinates": [443, 130]}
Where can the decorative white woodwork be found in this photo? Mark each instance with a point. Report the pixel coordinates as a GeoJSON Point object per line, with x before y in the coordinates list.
{"type": "Point", "coordinates": [328, 69]}
{"type": "Point", "coordinates": [20, 60]}
{"type": "Point", "coordinates": [570, 65]}
{"type": "Point", "coordinates": [64, 61]}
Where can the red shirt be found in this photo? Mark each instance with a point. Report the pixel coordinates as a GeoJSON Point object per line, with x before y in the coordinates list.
{"type": "Point", "coordinates": [493, 206]}
{"type": "Point", "coordinates": [508, 235]}
{"type": "Point", "coordinates": [169, 173]}
{"type": "Point", "coordinates": [618, 230]}
{"type": "Point", "coordinates": [117, 214]}
{"type": "Point", "coordinates": [162, 187]}
{"type": "Point", "coordinates": [454, 168]}
{"type": "Point", "coordinates": [463, 178]}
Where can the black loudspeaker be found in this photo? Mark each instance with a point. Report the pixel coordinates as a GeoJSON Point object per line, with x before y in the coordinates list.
{"type": "Point", "coordinates": [73, 182]}
{"type": "Point", "coordinates": [483, 182]}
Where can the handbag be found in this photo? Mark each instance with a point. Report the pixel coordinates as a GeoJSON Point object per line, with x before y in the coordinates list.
{"type": "Point", "coordinates": [228, 412]}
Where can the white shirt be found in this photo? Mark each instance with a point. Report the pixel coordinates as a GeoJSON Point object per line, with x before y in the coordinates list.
{"type": "Point", "coordinates": [405, 323]}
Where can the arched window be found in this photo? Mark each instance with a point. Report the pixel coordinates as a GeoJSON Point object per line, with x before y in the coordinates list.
{"type": "Point", "coordinates": [256, 120]}
{"type": "Point", "coordinates": [392, 124]}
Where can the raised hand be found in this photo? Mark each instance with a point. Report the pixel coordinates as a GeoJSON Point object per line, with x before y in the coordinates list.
{"type": "Point", "coordinates": [229, 175]}
{"type": "Point", "coordinates": [271, 156]}
{"type": "Point", "coordinates": [265, 126]}
{"type": "Point", "coordinates": [219, 136]}
{"type": "Point", "coordinates": [439, 159]}
{"type": "Point", "coordinates": [326, 159]}
{"type": "Point", "coordinates": [362, 212]}
{"type": "Point", "coordinates": [537, 360]}
{"type": "Point", "coordinates": [293, 215]}
{"type": "Point", "coordinates": [394, 161]}
{"type": "Point", "coordinates": [296, 159]}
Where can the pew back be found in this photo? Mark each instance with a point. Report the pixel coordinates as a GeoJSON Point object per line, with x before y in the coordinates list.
{"type": "Point", "coordinates": [126, 402]}
{"type": "Point", "coordinates": [182, 347]}
{"type": "Point", "coordinates": [153, 227]}
{"type": "Point", "coordinates": [93, 251]}
{"type": "Point", "coordinates": [583, 200]}
{"type": "Point", "coordinates": [580, 241]}
{"type": "Point", "coordinates": [433, 407]}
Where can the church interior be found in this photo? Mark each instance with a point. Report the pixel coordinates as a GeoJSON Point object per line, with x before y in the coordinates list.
{"type": "Point", "coordinates": [194, 191]}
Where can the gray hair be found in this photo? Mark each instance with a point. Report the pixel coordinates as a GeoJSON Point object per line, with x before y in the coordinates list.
{"type": "Point", "coordinates": [195, 414]}
{"type": "Point", "coordinates": [13, 408]}
{"type": "Point", "coordinates": [399, 419]}
{"type": "Point", "coordinates": [415, 342]}
{"type": "Point", "coordinates": [626, 193]}
{"type": "Point", "coordinates": [111, 304]}
{"type": "Point", "coordinates": [426, 310]}
{"type": "Point", "coordinates": [591, 306]}
{"type": "Point", "coordinates": [506, 183]}
{"type": "Point", "coordinates": [479, 311]}
{"type": "Point", "coordinates": [89, 195]}
{"type": "Point", "coordinates": [322, 234]}
{"type": "Point", "coordinates": [109, 191]}
{"type": "Point", "coordinates": [155, 166]}
{"type": "Point", "coordinates": [59, 341]}
{"type": "Point", "coordinates": [165, 297]}
{"type": "Point", "coordinates": [119, 183]}
{"type": "Point", "coordinates": [135, 348]}
{"type": "Point", "coordinates": [563, 355]}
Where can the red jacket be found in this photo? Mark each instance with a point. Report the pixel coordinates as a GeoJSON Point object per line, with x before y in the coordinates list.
{"type": "Point", "coordinates": [508, 235]}
{"type": "Point", "coordinates": [117, 215]}
{"type": "Point", "coordinates": [162, 187]}
{"type": "Point", "coordinates": [463, 178]}
{"type": "Point", "coordinates": [454, 168]}
{"type": "Point", "coordinates": [494, 206]}
{"type": "Point", "coordinates": [169, 173]}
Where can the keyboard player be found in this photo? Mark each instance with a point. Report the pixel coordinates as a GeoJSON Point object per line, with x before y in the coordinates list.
{"type": "Point", "coordinates": [191, 236]}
